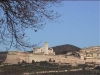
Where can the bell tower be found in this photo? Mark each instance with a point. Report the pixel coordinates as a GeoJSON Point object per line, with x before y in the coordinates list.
{"type": "Point", "coordinates": [45, 47]}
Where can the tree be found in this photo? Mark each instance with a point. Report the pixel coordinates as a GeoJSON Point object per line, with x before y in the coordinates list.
{"type": "Point", "coordinates": [1, 62]}
{"type": "Point", "coordinates": [53, 60]}
{"type": "Point", "coordinates": [33, 62]}
{"type": "Point", "coordinates": [23, 62]}
{"type": "Point", "coordinates": [19, 15]}
{"type": "Point", "coordinates": [50, 60]}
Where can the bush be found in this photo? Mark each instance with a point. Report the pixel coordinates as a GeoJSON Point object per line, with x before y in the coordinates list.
{"type": "Point", "coordinates": [33, 62]}
{"type": "Point", "coordinates": [97, 68]}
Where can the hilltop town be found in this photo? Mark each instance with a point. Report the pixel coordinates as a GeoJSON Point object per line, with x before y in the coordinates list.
{"type": "Point", "coordinates": [45, 53]}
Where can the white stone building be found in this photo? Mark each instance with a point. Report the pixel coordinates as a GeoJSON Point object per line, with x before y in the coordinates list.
{"type": "Point", "coordinates": [44, 50]}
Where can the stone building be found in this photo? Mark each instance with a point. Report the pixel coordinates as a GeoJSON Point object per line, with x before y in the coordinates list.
{"type": "Point", "coordinates": [91, 54]}
{"type": "Point", "coordinates": [44, 50]}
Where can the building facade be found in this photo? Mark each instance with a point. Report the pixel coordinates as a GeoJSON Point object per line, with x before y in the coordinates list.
{"type": "Point", "coordinates": [44, 50]}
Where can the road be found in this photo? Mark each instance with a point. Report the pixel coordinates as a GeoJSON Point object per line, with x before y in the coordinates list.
{"type": "Point", "coordinates": [53, 71]}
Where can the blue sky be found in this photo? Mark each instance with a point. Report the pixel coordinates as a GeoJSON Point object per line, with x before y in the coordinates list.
{"type": "Point", "coordinates": [78, 25]}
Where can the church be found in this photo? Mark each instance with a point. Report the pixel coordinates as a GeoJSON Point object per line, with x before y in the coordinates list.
{"type": "Point", "coordinates": [44, 50]}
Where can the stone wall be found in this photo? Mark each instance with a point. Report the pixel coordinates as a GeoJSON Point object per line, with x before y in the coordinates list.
{"type": "Point", "coordinates": [28, 57]}
{"type": "Point", "coordinates": [14, 57]}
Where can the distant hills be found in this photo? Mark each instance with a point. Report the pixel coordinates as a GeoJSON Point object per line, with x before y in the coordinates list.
{"type": "Point", "coordinates": [63, 49]}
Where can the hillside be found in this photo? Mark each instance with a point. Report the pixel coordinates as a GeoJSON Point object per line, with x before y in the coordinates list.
{"type": "Point", "coordinates": [63, 49]}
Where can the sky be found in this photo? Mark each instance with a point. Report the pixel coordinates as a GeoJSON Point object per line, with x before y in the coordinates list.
{"type": "Point", "coordinates": [79, 25]}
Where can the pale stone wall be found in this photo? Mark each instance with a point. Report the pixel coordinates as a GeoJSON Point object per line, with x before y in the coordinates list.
{"type": "Point", "coordinates": [39, 58]}
{"type": "Point", "coordinates": [29, 58]}
{"type": "Point", "coordinates": [23, 56]}
{"type": "Point", "coordinates": [14, 57]}
{"type": "Point", "coordinates": [38, 50]}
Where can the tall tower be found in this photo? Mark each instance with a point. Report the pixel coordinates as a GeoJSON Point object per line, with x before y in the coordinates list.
{"type": "Point", "coordinates": [46, 47]}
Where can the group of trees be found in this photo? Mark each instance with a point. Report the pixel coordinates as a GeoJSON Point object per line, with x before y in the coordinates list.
{"type": "Point", "coordinates": [16, 16]}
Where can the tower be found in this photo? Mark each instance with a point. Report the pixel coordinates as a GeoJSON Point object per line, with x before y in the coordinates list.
{"type": "Point", "coordinates": [45, 47]}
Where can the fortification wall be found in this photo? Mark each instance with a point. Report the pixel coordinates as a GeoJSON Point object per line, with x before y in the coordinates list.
{"type": "Point", "coordinates": [12, 59]}
{"type": "Point", "coordinates": [42, 57]}
{"type": "Point", "coordinates": [22, 56]}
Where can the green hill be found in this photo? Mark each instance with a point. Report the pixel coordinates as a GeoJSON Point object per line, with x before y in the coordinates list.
{"type": "Point", "coordinates": [63, 49]}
